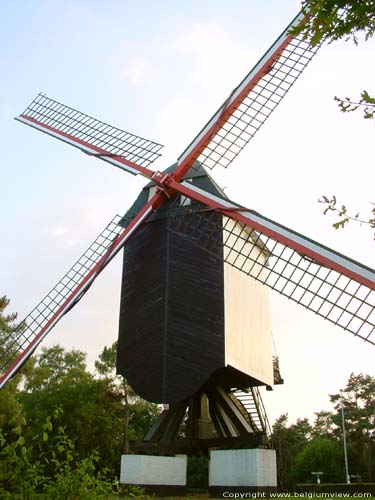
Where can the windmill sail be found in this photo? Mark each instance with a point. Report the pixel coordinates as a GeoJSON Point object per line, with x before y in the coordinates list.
{"type": "Point", "coordinates": [308, 273]}
{"type": "Point", "coordinates": [113, 145]}
{"type": "Point", "coordinates": [19, 346]}
{"type": "Point", "coordinates": [251, 103]}
{"type": "Point", "coordinates": [321, 280]}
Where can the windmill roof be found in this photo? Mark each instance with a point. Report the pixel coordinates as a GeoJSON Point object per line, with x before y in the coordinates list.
{"type": "Point", "coordinates": [202, 180]}
{"type": "Point", "coordinates": [195, 171]}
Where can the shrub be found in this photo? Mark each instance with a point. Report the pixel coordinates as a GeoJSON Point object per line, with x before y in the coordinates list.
{"type": "Point", "coordinates": [29, 467]}
{"type": "Point", "coordinates": [197, 473]}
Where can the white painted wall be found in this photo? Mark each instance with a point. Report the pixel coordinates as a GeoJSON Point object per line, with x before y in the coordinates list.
{"type": "Point", "coordinates": [243, 468]}
{"type": "Point", "coordinates": [153, 470]}
{"type": "Point", "coordinates": [248, 342]}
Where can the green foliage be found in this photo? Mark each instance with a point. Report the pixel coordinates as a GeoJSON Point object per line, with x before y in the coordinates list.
{"type": "Point", "coordinates": [329, 20]}
{"type": "Point", "coordinates": [344, 215]}
{"type": "Point", "coordinates": [197, 473]}
{"type": "Point", "coordinates": [325, 425]}
{"type": "Point", "coordinates": [92, 408]}
{"type": "Point", "coordinates": [366, 103]}
{"type": "Point", "coordinates": [137, 414]}
{"type": "Point", "coordinates": [302, 449]}
{"type": "Point", "coordinates": [288, 442]}
{"type": "Point", "coordinates": [60, 379]}
{"type": "Point", "coordinates": [358, 400]}
{"type": "Point", "coordinates": [21, 473]}
{"type": "Point", "coordinates": [142, 414]}
{"type": "Point", "coordinates": [131, 492]}
{"type": "Point", "coordinates": [27, 468]}
{"type": "Point", "coordinates": [55, 365]}
{"type": "Point", "coordinates": [62, 429]}
{"type": "Point", "coordinates": [319, 454]}
{"type": "Point", "coordinates": [8, 328]}
{"type": "Point", "coordinates": [92, 411]}
{"type": "Point", "coordinates": [76, 478]}
{"type": "Point", "coordinates": [106, 363]}
{"type": "Point", "coordinates": [63, 450]}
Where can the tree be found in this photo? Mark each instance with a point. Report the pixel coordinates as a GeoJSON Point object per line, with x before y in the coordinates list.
{"type": "Point", "coordinates": [358, 400]}
{"type": "Point", "coordinates": [8, 329]}
{"type": "Point", "coordinates": [106, 365]}
{"type": "Point", "coordinates": [330, 20]}
{"type": "Point", "coordinates": [346, 215]}
{"type": "Point", "coordinates": [91, 410]}
{"type": "Point", "coordinates": [55, 364]}
{"type": "Point", "coordinates": [302, 448]}
{"type": "Point", "coordinates": [288, 442]}
{"type": "Point", "coordinates": [30, 470]}
{"type": "Point", "coordinates": [324, 425]}
{"type": "Point", "coordinates": [321, 454]}
{"type": "Point", "coordinates": [138, 414]}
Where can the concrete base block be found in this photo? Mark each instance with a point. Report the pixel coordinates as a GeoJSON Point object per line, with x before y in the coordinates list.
{"type": "Point", "coordinates": [242, 470]}
{"type": "Point", "coordinates": [160, 475]}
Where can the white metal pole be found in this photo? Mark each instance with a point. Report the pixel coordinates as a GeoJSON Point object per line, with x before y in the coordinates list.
{"type": "Point", "coordinates": [344, 439]}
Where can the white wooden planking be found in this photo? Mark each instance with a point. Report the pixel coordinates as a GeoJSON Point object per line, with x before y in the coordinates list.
{"type": "Point", "coordinates": [248, 341]}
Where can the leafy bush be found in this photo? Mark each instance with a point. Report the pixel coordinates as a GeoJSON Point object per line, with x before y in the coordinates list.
{"type": "Point", "coordinates": [197, 473]}
{"type": "Point", "coordinates": [28, 467]}
{"type": "Point", "coordinates": [76, 479]}
{"type": "Point", "coordinates": [20, 473]}
{"type": "Point", "coordinates": [320, 454]}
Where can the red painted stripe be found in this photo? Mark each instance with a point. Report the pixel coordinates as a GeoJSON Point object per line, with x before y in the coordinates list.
{"type": "Point", "coordinates": [240, 217]}
{"type": "Point", "coordinates": [142, 170]}
{"type": "Point", "coordinates": [184, 167]}
{"type": "Point", "coordinates": [154, 203]}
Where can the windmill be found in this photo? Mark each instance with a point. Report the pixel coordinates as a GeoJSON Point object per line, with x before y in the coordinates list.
{"type": "Point", "coordinates": [202, 219]}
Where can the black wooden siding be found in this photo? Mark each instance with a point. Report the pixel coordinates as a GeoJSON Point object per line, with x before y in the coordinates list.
{"type": "Point", "coordinates": [171, 334]}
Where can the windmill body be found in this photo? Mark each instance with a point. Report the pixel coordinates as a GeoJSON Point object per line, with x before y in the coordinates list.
{"type": "Point", "coordinates": [194, 325]}
{"type": "Point", "coordinates": [187, 316]}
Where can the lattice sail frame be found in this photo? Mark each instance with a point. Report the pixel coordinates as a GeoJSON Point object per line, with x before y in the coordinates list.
{"type": "Point", "coordinates": [253, 101]}
{"type": "Point", "coordinates": [89, 134]}
{"type": "Point", "coordinates": [15, 343]}
{"type": "Point", "coordinates": [220, 141]}
{"type": "Point", "coordinates": [340, 299]}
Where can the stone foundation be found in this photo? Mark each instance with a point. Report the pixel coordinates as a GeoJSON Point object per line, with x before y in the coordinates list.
{"type": "Point", "coordinates": [160, 475]}
{"type": "Point", "coordinates": [241, 471]}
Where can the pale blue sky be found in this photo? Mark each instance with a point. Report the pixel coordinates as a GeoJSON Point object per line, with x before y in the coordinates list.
{"type": "Point", "coordinates": [160, 69]}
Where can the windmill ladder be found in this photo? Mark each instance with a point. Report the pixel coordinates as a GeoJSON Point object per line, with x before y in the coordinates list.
{"type": "Point", "coordinates": [252, 402]}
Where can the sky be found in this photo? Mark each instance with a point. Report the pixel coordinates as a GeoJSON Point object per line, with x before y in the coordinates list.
{"type": "Point", "coordinates": [160, 70]}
